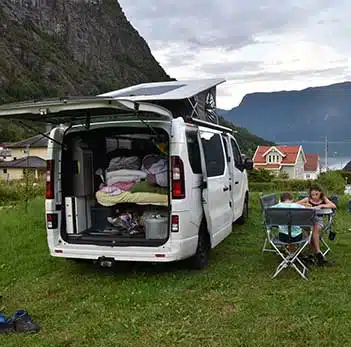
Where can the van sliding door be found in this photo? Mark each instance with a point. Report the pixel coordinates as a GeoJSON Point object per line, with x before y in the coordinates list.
{"type": "Point", "coordinates": [216, 192]}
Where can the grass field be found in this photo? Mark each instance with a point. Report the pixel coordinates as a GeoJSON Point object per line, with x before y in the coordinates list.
{"type": "Point", "coordinates": [232, 303]}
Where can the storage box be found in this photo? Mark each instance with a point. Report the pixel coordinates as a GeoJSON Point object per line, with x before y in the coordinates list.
{"type": "Point", "coordinates": [156, 226]}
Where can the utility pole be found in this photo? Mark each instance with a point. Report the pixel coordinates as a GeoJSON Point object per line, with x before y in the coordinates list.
{"type": "Point", "coordinates": [326, 153]}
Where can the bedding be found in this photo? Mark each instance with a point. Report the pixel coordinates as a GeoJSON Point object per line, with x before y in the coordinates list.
{"type": "Point", "coordinates": [139, 198]}
{"type": "Point", "coordinates": [124, 175]}
{"type": "Point", "coordinates": [156, 167]}
{"type": "Point", "coordinates": [145, 187]}
{"type": "Point", "coordinates": [129, 163]}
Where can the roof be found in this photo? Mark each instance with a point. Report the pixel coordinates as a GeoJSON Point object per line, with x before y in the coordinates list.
{"type": "Point", "coordinates": [291, 153]}
{"type": "Point", "coordinates": [312, 161]}
{"type": "Point", "coordinates": [171, 90]}
{"type": "Point", "coordinates": [31, 162]}
{"type": "Point", "coordinates": [4, 152]}
{"type": "Point", "coordinates": [347, 167]}
{"type": "Point", "coordinates": [34, 141]}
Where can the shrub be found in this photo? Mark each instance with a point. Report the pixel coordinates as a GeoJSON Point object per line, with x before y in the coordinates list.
{"type": "Point", "coordinates": [332, 181]}
{"type": "Point", "coordinates": [20, 191]}
{"type": "Point", "coordinates": [263, 187]}
{"type": "Point", "coordinates": [279, 185]}
{"type": "Point", "coordinates": [260, 175]}
{"type": "Point", "coordinates": [346, 176]}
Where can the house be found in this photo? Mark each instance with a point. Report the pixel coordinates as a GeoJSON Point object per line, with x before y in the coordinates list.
{"type": "Point", "coordinates": [15, 169]}
{"type": "Point", "coordinates": [37, 147]}
{"type": "Point", "coordinates": [347, 167]}
{"type": "Point", "coordinates": [312, 166]}
{"type": "Point", "coordinates": [5, 153]}
{"type": "Point", "coordinates": [281, 159]}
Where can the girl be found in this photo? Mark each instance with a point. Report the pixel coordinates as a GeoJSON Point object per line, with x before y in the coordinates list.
{"type": "Point", "coordinates": [317, 199]}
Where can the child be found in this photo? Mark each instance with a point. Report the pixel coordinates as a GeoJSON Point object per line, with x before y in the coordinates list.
{"type": "Point", "coordinates": [317, 199]}
{"type": "Point", "coordinates": [286, 201]}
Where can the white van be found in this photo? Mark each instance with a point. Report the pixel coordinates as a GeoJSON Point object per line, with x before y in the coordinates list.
{"type": "Point", "coordinates": [140, 174]}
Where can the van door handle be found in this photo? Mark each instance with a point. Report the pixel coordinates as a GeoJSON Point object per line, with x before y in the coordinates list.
{"type": "Point", "coordinates": [225, 188]}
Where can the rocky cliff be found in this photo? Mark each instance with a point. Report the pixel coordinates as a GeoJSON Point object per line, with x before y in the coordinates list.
{"type": "Point", "coordinates": [57, 47]}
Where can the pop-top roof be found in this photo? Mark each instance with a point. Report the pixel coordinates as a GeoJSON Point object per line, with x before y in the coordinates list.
{"type": "Point", "coordinates": [172, 90]}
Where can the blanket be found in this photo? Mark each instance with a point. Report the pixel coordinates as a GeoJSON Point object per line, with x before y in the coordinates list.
{"type": "Point", "coordinates": [108, 200]}
{"type": "Point", "coordinates": [124, 175]}
{"type": "Point", "coordinates": [145, 187]}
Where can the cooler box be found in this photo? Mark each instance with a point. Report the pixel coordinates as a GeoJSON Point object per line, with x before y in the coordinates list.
{"type": "Point", "coordinates": [156, 226]}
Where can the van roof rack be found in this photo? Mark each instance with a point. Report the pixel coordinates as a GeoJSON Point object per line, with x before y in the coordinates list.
{"type": "Point", "coordinates": [212, 125]}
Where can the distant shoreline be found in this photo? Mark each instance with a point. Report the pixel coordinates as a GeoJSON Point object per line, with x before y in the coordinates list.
{"type": "Point", "coordinates": [337, 163]}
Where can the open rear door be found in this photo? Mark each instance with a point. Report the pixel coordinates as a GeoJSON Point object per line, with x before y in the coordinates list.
{"type": "Point", "coordinates": [82, 110]}
{"type": "Point", "coordinates": [216, 199]}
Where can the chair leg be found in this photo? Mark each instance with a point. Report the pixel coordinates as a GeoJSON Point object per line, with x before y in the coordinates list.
{"type": "Point", "coordinates": [266, 249]}
{"type": "Point", "coordinates": [293, 261]}
{"type": "Point", "coordinates": [327, 248]}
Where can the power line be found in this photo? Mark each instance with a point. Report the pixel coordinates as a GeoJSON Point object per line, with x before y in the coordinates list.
{"type": "Point", "coordinates": [311, 142]}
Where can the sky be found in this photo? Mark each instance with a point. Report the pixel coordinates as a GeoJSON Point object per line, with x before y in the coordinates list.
{"type": "Point", "coordinates": [257, 46]}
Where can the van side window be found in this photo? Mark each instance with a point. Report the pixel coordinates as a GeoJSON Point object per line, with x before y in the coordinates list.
{"type": "Point", "coordinates": [236, 154]}
{"type": "Point", "coordinates": [214, 155]}
{"type": "Point", "coordinates": [194, 152]}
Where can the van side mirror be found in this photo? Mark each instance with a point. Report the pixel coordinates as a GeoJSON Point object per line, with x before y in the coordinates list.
{"type": "Point", "coordinates": [248, 164]}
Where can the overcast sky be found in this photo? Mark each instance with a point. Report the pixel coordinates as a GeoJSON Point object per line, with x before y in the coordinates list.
{"type": "Point", "coordinates": [255, 45]}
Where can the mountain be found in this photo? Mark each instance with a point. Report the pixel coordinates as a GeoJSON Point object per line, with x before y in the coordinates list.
{"type": "Point", "coordinates": [247, 141]}
{"type": "Point", "coordinates": [52, 48]}
{"type": "Point", "coordinates": [297, 116]}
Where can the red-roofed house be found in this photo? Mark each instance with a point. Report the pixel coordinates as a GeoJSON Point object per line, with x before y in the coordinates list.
{"type": "Point", "coordinates": [312, 167]}
{"type": "Point", "coordinates": [288, 159]}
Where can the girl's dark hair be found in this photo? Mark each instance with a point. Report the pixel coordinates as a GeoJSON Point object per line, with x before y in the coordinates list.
{"type": "Point", "coordinates": [317, 188]}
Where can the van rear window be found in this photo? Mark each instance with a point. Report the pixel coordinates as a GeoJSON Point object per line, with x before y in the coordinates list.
{"type": "Point", "coordinates": [194, 152]}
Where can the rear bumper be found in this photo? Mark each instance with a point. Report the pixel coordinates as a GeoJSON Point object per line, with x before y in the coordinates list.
{"type": "Point", "coordinates": [173, 250]}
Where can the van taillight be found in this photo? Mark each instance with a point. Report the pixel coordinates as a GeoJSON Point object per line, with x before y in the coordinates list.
{"type": "Point", "coordinates": [52, 220]}
{"type": "Point", "coordinates": [50, 172]}
{"type": "Point", "coordinates": [175, 223]}
{"type": "Point", "coordinates": [178, 183]}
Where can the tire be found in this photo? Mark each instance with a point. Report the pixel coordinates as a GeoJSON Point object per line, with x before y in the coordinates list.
{"type": "Point", "coordinates": [245, 216]}
{"type": "Point", "coordinates": [200, 259]}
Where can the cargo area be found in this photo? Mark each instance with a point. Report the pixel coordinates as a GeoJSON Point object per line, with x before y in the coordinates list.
{"type": "Point", "coordinates": [115, 186]}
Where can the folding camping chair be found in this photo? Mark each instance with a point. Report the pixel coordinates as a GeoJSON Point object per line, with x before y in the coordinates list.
{"type": "Point", "coordinates": [329, 215]}
{"type": "Point", "coordinates": [303, 217]}
{"type": "Point", "coordinates": [267, 201]}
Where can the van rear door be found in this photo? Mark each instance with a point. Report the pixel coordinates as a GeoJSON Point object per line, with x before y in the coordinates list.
{"type": "Point", "coordinates": [83, 110]}
{"type": "Point", "coordinates": [216, 187]}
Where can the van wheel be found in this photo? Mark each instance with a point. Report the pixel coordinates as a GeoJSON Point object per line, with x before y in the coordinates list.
{"type": "Point", "coordinates": [245, 216]}
{"type": "Point", "coordinates": [200, 259]}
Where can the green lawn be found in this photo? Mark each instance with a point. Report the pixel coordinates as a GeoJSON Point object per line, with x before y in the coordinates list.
{"type": "Point", "coordinates": [232, 303]}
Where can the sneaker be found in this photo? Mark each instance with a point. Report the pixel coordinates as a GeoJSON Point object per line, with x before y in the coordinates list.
{"type": "Point", "coordinates": [308, 259]}
{"type": "Point", "coordinates": [322, 261]}
{"type": "Point", "coordinates": [23, 322]}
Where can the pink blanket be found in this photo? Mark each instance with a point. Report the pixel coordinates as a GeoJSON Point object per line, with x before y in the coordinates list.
{"type": "Point", "coordinates": [116, 188]}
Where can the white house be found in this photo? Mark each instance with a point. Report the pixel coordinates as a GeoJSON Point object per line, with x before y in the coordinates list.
{"type": "Point", "coordinates": [281, 159]}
